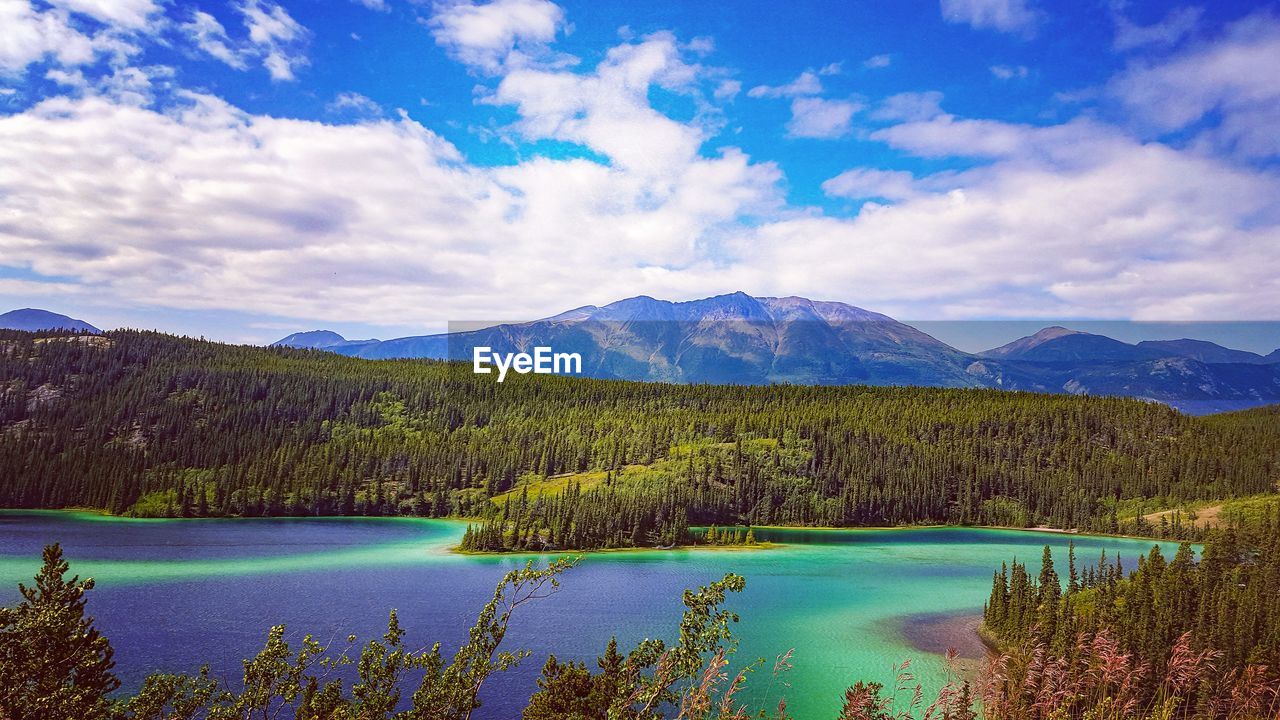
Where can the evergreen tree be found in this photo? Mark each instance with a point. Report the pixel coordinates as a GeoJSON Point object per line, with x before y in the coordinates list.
{"type": "Point", "coordinates": [53, 661]}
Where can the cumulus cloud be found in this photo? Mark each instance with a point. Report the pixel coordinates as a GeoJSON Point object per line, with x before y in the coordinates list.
{"type": "Point", "coordinates": [202, 205]}
{"type": "Point", "coordinates": [491, 35]}
{"type": "Point", "coordinates": [127, 14]}
{"type": "Point", "coordinates": [807, 83]}
{"type": "Point", "coordinates": [811, 116]}
{"type": "Point", "coordinates": [1127, 230]}
{"type": "Point", "coordinates": [608, 110]}
{"type": "Point", "coordinates": [875, 62]}
{"type": "Point", "coordinates": [210, 207]}
{"type": "Point", "coordinates": [1226, 76]}
{"type": "Point", "coordinates": [1011, 16]}
{"type": "Point", "coordinates": [820, 118]}
{"type": "Point", "coordinates": [32, 34]}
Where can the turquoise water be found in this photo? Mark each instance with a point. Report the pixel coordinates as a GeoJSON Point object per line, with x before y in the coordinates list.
{"type": "Point", "coordinates": [175, 594]}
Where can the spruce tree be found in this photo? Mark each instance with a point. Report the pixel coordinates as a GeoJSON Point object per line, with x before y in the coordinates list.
{"type": "Point", "coordinates": [53, 661]}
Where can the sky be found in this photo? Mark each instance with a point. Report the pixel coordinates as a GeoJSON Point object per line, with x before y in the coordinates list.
{"type": "Point", "coordinates": [243, 169]}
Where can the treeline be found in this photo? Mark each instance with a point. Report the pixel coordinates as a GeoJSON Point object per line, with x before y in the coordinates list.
{"type": "Point", "coordinates": [599, 519]}
{"type": "Point", "coordinates": [149, 424]}
{"type": "Point", "coordinates": [1208, 628]}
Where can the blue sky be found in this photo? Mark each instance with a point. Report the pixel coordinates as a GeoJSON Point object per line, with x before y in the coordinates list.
{"type": "Point", "coordinates": [381, 167]}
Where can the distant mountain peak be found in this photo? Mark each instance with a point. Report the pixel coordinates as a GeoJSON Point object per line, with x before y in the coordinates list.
{"type": "Point", "coordinates": [1025, 345]}
{"type": "Point", "coordinates": [319, 340]}
{"type": "Point", "coordinates": [35, 320]}
{"type": "Point", "coordinates": [1054, 332]}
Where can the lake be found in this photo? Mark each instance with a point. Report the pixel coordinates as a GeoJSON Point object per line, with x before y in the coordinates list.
{"type": "Point", "coordinates": [174, 594]}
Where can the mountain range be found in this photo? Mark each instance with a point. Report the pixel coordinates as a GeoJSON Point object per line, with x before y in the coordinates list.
{"type": "Point", "coordinates": [739, 339]}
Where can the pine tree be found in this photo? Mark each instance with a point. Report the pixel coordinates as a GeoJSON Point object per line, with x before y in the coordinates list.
{"type": "Point", "coordinates": [53, 661]}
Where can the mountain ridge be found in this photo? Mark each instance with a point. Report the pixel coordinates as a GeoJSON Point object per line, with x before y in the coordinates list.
{"type": "Point", "coordinates": [736, 338]}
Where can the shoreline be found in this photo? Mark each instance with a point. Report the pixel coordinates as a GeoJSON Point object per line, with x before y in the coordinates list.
{"type": "Point", "coordinates": [942, 526]}
{"type": "Point", "coordinates": [105, 515]}
{"type": "Point", "coordinates": [605, 551]}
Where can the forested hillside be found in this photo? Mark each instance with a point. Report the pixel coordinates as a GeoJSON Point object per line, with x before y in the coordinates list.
{"type": "Point", "coordinates": [151, 424]}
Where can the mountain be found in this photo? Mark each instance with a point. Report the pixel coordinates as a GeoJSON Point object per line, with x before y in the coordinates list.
{"type": "Point", "coordinates": [1058, 344]}
{"type": "Point", "coordinates": [1202, 350]}
{"type": "Point", "coordinates": [33, 320]}
{"type": "Point", "coordinates": [727, 339]}
{"type": "Point", "coordinates": [314, 339]}
{"type": "Point", "coordinates": [738, 339]}
{"type": "Point", "coordinates": [321, 340]}
{"type": "Point", "coordinates": [1192, 375]}
{"type": "Point", "coordinates": [1181, 382]}
{"type": "Point", "coordinates": [1272, 357]}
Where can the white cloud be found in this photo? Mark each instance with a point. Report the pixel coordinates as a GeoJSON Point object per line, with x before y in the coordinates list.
{"type": "Point", "coordinates": [73, 79]}
{"type": "Point", "coordinates": [376, 219]}
{"type": "Point", "coordinates": [875, 62]}
{"type": "Point", "coordinates": [134, 85]}
{"type": "Point", "coordinates": [807, 83]}
{"type": "Point", "coordinates": [353, 103]}
{"type": "Point", "coordinates": [126, 14]}
{"type": "Point", "coordinates": [31, 35]}
{"type": "Point", "coordinates": [492, 35]}
{"type": "Point", "coordinates": [1010, 16]}
{"type": "Point", "coordinates": [608, 110]}
{"type": "Point", "coordinates": [947, 136]}
{"type": "Point", "coordinates": [1228, 76]}
{"type": "Point", "coordinates": [211, 37]}
{"type": "Point", "coordinates": [273, 38]}
{"type": "Point", "coordinates": [1009, 72]}
{"type": "Point", "coordinates": [910, 106]}
{"type": "Point", "coordinates": [819, 118]}
{"type": "Point", "coordinates": [1165, 33]}
{"type": "Point", "coordinates": [205, 206]}
{"type": "Point", "coordinates": [275, 35]}
{"type": "Point", "coordinates": [59, 32]}
{"type": "Point", "coordinates": [869, 183]}
{"type": "Point", "coordinates": [1136, 230]}
{"type": "Point", "coordinates": [727, 90]}
{"type": "Point", "coordinates": [380, 5]}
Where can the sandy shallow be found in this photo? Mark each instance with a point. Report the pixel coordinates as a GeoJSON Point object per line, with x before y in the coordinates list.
{"type": "Point", "coordinates": [937, 632]}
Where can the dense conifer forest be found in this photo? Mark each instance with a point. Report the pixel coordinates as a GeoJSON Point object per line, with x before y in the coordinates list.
{"type": "Point", "coordinates": [1204, 630]}
{"type": "Point", "coordinates": [154, 425]}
